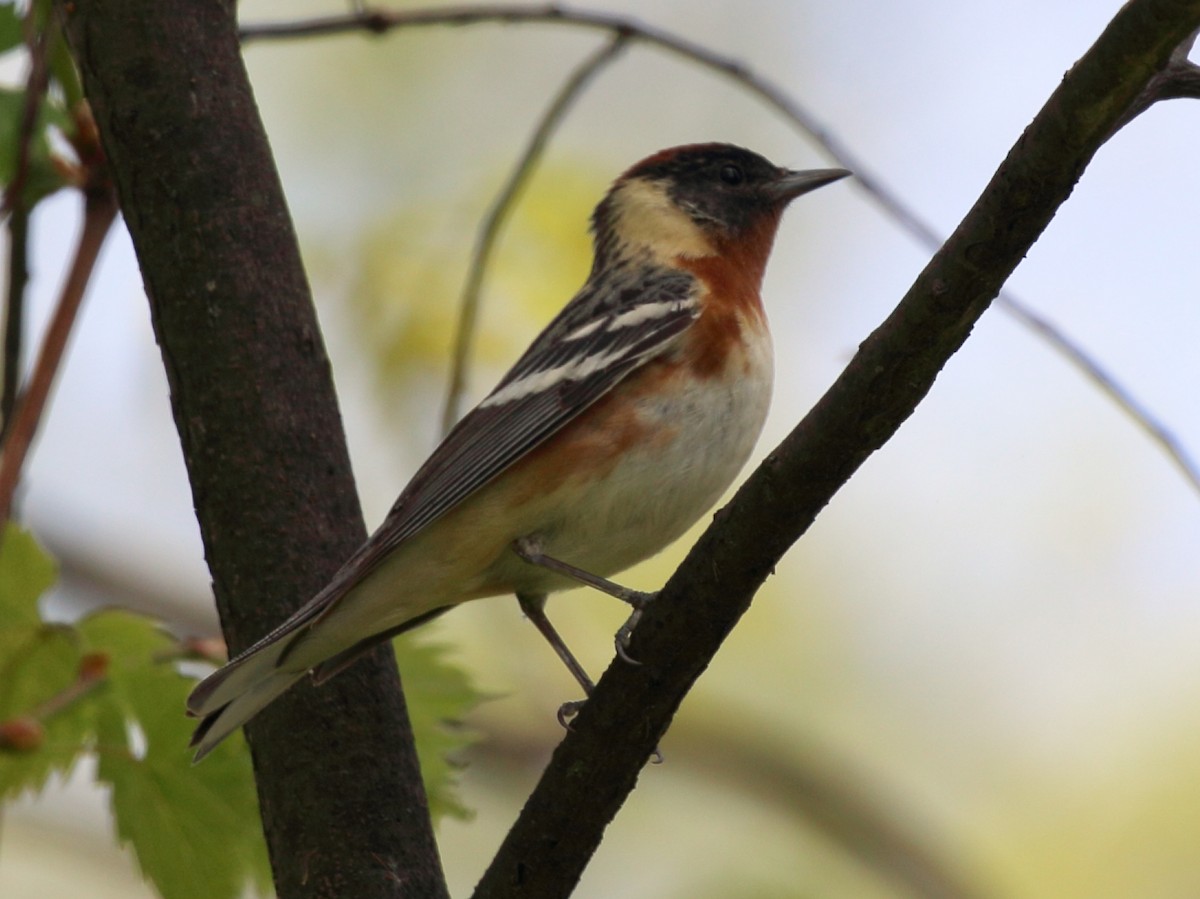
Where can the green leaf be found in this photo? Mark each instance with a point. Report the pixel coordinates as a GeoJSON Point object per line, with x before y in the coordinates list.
{"type": "Point", "coordinates": [194, 829]}
{"type": "Point", "coordinates": [190, 833]}
{"type": "Point", "coordinates": [26, 572]}
{"type": "Point", "coordinates": [37, 661]}
{"type": "Point", "coordinates": [140, 686]}
{"type": "Point", "coordinates": [439, 695]}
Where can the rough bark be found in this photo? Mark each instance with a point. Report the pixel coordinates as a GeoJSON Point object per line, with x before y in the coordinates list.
{"type": "Point", "coordinates": [342, 802]}
{"type": "Point", "coordinates": [597, 765]}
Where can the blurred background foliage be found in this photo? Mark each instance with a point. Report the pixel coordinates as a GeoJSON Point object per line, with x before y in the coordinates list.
{"type": "Point", "coordinates": [982, 657]}
{"type": "Point", "coordinates": [404, 307]}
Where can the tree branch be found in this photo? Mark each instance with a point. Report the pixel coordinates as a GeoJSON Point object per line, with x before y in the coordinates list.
{"type": "Point", "coordinates": [14, 314]}
{"type": "Point", "coordinates": [503, 205]}
{"type": "Point", "coordinates": [1180, 79]}
{"type": "Point", "coordinates": [18, 224]}
{"type": "Point", "coordinates": [597, 764]}
{"type": "Point", "coordinates": [339, 788]}
{"type": "Point", "coordinates": [100, 208]}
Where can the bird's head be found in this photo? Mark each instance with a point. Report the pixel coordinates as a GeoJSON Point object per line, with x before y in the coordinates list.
{"type": "Point", "coordinates": [699, 200]}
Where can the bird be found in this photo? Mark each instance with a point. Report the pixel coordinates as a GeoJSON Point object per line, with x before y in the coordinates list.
{"type": "Point", "coordinates": [619, 427]}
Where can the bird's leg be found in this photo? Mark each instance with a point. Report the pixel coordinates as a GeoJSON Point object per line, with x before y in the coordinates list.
{"type": "Point", "coordinates": [625, 634]}
{"type": "Point", "coordinates": [534, 607]}
{"type": "Point", "coordinates": [530, 550]}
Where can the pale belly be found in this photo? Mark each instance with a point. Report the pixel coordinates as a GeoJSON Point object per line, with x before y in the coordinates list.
{"type": "Point", "coordinates": [650, 493]}
{"type": "Point", "coordinates": [657, 491]}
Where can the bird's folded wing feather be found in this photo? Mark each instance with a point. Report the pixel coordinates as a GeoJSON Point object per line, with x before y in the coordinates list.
{"type": "Point", "coordinates": [606, 332]}
{"type": "Point", "coordinates": [579, 358]}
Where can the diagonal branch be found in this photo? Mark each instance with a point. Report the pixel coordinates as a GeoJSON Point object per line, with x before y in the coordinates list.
{"type": "Point", "coordinates": [14, 314]}
{"type": "Point", "coordinates": [342, 803]}
{"type": "Point", "coordinates": [1110, 386]}
{"type": "Point", "coordinates": [100, 209]}
{"type": "Point", "coordinates": [503, 205]}
{"type": "Point", "coordinates": [1178, 79]}
{"type": "Point", "coordinates": [596, 766]}
{"type": "Point", "coordinates": [18, 224]}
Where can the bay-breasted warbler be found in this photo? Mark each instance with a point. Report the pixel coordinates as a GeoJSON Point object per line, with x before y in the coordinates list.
{"type": "Point", "coordinates": [623, 423]}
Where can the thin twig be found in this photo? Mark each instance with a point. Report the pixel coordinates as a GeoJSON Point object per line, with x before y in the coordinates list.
{"type": "Point", "coordinates": [1179, 81]}
{"type": "Point", "coordinates": [26, 732]}
{"type": "Point", "coordinates": [18, 222]}
{"type": "Point", "coordinates": [1115, 391]}
{"type": "Point", "coordinates": [503, 206]}
{"type": "Point", "coordinates": [35, 89]}
{"type": "Point", "coordinates": [100, 209]}
{"type": "Point", "coordinates": [14, 312]}
{"type": "Point", "coordinates": [596, 766]}
{"type": "Point", "coordinates": [93, 669]}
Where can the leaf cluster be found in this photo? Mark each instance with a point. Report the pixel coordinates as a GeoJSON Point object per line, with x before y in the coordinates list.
{"type": "Point", "coordinates": [107, 687]}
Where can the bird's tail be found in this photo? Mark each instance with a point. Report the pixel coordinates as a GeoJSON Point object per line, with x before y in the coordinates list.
{"type": "Point", "coordinates": [232, 695]}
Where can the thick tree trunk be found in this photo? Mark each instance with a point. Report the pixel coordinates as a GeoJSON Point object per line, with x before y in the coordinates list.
{"type": "Point", "coordinates": [342, 802]}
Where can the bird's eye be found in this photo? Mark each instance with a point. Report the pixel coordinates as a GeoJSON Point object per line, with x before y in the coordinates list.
{"type": "Point", "coordinates": [732, 174]}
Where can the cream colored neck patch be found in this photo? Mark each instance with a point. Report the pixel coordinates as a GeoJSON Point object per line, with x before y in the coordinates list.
{"type": "Point", "coordinates": [644, 218]}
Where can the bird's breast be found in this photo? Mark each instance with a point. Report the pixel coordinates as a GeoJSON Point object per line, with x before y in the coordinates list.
{"type": "Point", "coordinates": [655, 455]}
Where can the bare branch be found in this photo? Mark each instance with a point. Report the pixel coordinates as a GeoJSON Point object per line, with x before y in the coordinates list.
{"type": "Point", "coordinates": [35, 89]}
{"type": "Point", "coordinates": [343, 807]}
{"type": "Point", "coordinates": [18, 223]}
{"type": "Point", "coordinates": [14, 314]}
{"type": "Point", "coordinates": [597, 765]}
{"type": "Point", "coordinates": [585, 765]}
{"type": "Point", "coordinates": [811, 785]}
{"type": "Point", "coordinates": [1108, 385]}
{"type": "Point", "coordinates": [100, 209]}
{"type": "Point", "coordinates": [1179, 79]}
{"type": "Point", "coordinates": [502, 207]}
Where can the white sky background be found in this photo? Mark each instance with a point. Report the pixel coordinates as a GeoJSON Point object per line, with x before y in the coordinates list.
{"type": "Point", "coordinates": [1011, 582]}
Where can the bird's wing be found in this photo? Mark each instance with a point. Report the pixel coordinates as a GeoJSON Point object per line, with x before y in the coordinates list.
{"type": "Point", "coordinates": [607, 331]}
{"type": "Point", "coordinates": [598, 339]}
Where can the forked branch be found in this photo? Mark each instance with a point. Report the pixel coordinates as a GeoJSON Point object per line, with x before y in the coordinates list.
{"type": "Point", "coordinates": [505, 202]}
{"type": "Point", "coordinates": [1179, 79]}
{"type": "Point", "coordinates": [597, 764]}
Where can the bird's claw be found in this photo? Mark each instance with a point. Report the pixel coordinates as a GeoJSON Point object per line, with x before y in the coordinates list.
{"type": "Point", "coordinates": [623, 637]}
{"type": "Point", "coordinates": [625, 634]}
{"type": "Point", "coordinates": [567, 712]}
{"type": "Point", "coordinates": [566, 715]}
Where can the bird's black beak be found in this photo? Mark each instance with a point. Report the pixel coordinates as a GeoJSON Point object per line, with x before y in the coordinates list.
{"type": "Point", "coordinates": [790, 185]}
